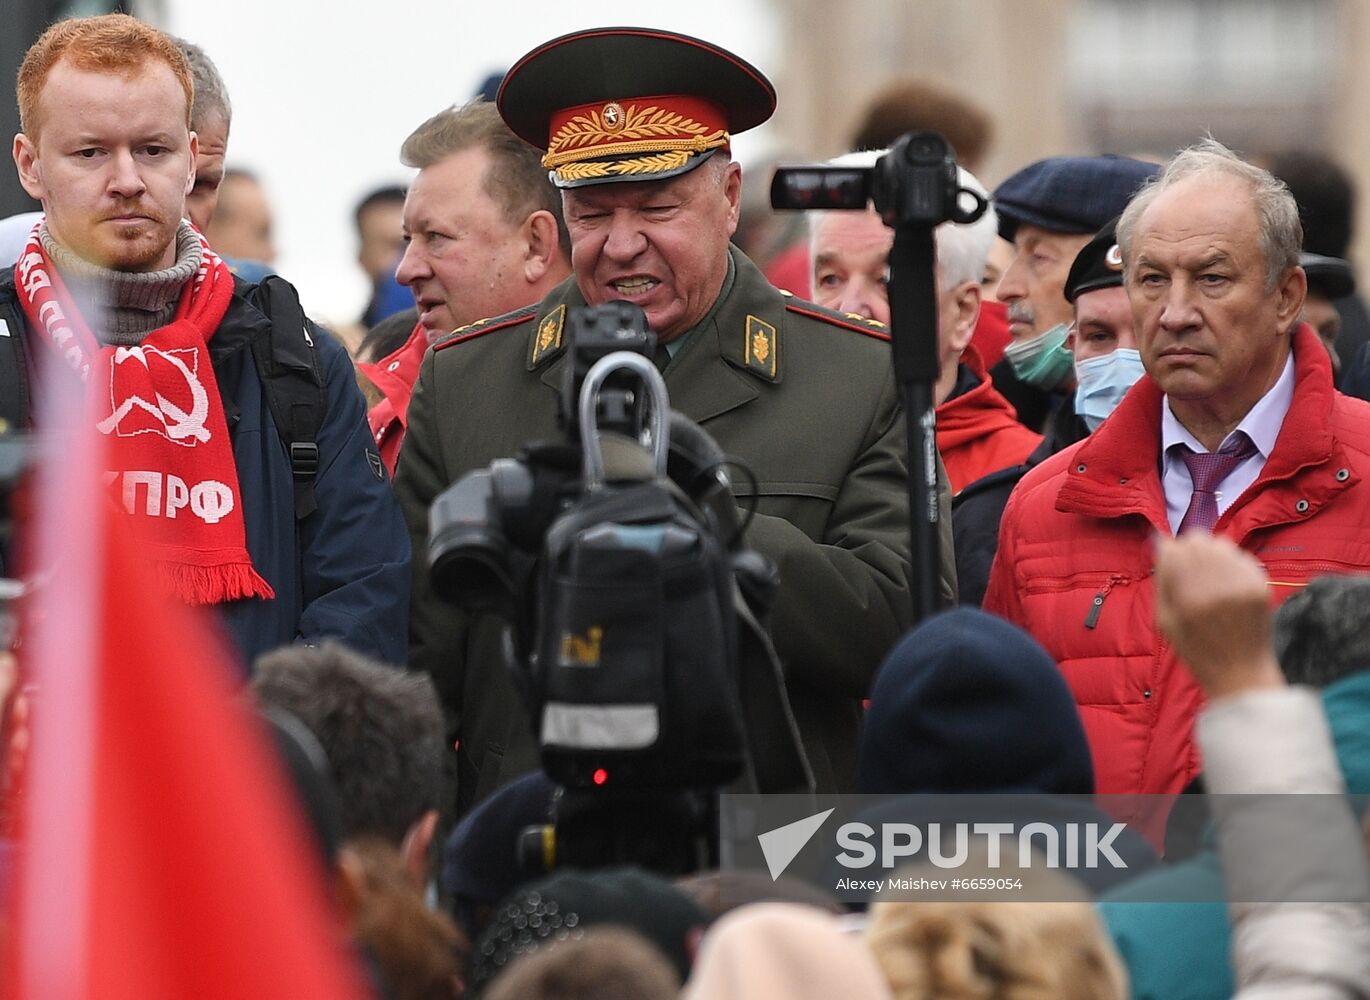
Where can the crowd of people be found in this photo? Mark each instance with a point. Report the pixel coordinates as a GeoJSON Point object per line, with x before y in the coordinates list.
{"type": "Point", "coordinates": [1148, 489]}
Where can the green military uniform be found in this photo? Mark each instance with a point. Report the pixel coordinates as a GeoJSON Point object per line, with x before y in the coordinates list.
{"type": "Point", "coordinates": [803, 396]}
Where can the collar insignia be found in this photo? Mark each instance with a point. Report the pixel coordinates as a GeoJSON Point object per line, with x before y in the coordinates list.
{"type": "Point", "coordinates": [760, 347]}
{"type": "Point", "coordinates": [548, 337]}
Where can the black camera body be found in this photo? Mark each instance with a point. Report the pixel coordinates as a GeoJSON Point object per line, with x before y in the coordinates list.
{"type": "Point", "coordinates": [484, 528]}
{"type": "Point", "coordinates": [611, 556]}
{"type": "Point", "coordinates": [615, 557]}
{"type": "Point", "coordinates": [595, 333]}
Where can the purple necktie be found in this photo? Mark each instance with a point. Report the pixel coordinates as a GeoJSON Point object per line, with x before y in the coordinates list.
{"type": "Point", "coordinates": [1207, 470]}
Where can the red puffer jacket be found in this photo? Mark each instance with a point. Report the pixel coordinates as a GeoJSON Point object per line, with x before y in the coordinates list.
{"type": "Point", "coordinates": [1075, 560]}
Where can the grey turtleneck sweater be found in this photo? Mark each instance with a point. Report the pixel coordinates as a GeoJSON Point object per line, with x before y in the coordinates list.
{"type": "Point", "coordinates": [129, 305]}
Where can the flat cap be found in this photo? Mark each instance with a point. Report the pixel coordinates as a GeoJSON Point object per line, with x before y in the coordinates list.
{"type": "Point", "coordinates": [1331, 277]}
{"type": "Point", "coordinates": [1069, 194]}
{"type": "Point", "coordinates": [1099, 264]}
{"type": "Point", "coordinates": [630, 104]}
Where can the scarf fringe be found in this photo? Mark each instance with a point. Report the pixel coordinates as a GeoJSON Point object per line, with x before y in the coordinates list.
{"type": "Point", "coordinates": [214, 584]}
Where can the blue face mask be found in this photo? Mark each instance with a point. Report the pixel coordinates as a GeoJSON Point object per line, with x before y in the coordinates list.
{"type": "Point", "coordinates": [1102, 383]}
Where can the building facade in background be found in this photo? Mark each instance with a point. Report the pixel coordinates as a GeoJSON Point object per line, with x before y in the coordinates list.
{"type": "Point", "coordinates": [1094, 76]}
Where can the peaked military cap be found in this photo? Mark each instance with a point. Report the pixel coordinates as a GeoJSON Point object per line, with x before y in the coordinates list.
{"type": "Point", "coordinates": [630, 104]}
{"type": "Point", "coordinates": [1099, 264]}
{"type": "Point", "coordinates": [1069, 194]}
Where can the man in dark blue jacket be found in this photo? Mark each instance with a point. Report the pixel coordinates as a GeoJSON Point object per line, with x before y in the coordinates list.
{"type": "Point", "coordinates": [115, 288]}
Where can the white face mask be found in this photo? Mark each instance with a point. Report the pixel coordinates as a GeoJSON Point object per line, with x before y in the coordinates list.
{"type": "Point", "coordinates": [1103, 382]}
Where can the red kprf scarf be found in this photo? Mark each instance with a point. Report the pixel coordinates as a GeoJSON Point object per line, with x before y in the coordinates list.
{"type": "Point", "coordinates": [171, 464]}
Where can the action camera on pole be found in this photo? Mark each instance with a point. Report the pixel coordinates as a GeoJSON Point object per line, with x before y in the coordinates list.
{"type": "Point", "coordinates": [914, 188]}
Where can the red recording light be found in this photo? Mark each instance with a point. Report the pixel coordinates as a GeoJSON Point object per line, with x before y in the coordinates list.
{"type": "Point", "coordinates": [600, 776]}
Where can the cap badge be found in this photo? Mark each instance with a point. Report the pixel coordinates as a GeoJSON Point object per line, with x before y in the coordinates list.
{"type": "Point", "coordinates": [1113, 259]}
{"type": "Point", "coordinates": [650, 138]}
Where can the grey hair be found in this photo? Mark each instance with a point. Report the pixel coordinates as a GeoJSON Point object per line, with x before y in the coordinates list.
{"type": "Point", "coordinates": [961, 249]}
{"type": "Point", "coordinates": [718, 162]}
{"type": "Point", "coordinates": [1281, 233]}
{"type": "Point", "coordinates": [211, 96]}
{"type": "Point", "coordinates": [1322, 633]}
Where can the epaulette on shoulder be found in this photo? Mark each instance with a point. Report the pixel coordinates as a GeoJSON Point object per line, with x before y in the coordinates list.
{"type": "Point", "coordinates": [848, 321]}
{"type": "Point", "coordinates": [483, 326]}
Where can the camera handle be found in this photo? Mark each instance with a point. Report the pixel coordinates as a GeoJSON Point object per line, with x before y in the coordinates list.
{"type": "Point", "coordinates": [659, 416]}
{"type": "Point", "coordinates": [913, 332]}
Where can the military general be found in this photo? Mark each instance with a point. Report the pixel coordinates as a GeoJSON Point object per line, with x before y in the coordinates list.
{"type": "Point", "coordinates": [636, 126]}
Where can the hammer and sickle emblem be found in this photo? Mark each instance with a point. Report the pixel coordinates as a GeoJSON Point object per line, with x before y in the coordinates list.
{"type": "Point", "coordinates": [176, 424]}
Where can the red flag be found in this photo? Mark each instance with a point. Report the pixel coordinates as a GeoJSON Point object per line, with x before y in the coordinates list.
{"type": "Point", "coordinates": [161, 854]}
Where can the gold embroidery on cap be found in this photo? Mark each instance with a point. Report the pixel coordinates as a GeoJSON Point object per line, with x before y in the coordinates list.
{"type": "Point", "coordinates": [549, 334]}
{"type": "Point", "coordinates": [759, 346]}
{"type": "Point", "coordinates": [642, 130]}
{"type": "Point", "coordinates": [623, 168]}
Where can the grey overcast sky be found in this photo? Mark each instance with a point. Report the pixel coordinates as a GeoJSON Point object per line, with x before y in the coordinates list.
{"type": "Point", "coordinates": [324, 92]}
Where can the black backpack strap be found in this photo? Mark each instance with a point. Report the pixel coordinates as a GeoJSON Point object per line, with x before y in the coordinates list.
{"type": "Point", "coordinates": [14, 369]}
{"type": "Point", "coordinates": [288, 363]}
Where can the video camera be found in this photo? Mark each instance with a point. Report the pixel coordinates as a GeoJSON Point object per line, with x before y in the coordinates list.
{"type": "Point", "coordinates": [615, 556]}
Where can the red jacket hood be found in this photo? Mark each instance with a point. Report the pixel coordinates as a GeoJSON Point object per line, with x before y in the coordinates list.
{"type": "Point", "coordinates": [976, 413]}
{"type": "Point", "coordinates": [978, 432]}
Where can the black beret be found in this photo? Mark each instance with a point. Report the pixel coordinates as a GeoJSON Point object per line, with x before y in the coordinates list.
{"type": "Point", "coordinates": [1099, 264]}
{"type": "Point", "coordinates": [1069, 194]}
